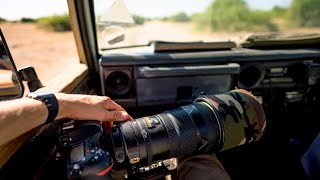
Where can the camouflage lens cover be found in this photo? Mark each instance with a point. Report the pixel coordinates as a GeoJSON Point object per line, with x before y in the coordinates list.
{"type": "Point", "coordinates": [242, 115]}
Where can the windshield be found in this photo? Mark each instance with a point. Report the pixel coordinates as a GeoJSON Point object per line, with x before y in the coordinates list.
{"type": "Point", "coordinates": [138, 22]}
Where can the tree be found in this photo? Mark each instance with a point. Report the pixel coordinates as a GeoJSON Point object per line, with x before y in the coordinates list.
{"type": "Point", "coordinates": [223, 13]}
{"type": "Point", "coordinates": [278, 12]}
{"type": "Point", "coordinates": [2, 19]}
{"type": "Point", "coordinates": [305, 13]}
{"type": "Point", "coordinates": [139, 20]}
{"type": "Point", "coordinates": [234, 15]}
{"type": "Point", "coordinates": [180, 17]}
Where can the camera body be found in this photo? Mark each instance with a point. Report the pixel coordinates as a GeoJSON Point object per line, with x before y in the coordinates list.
{"type": "Point", "coordinates": [81, 150]}
{"type": "Point", "coordinates": [81, 147]}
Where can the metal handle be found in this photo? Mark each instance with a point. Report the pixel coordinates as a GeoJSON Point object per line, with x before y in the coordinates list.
{"type": "Point", "coordinates": [148, 72]}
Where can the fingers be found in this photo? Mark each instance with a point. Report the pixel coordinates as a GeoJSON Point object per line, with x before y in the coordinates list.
{"type": "Point", "coordinates": [117, 116]}
{"type": "Point", "coordinates": [111, 105]}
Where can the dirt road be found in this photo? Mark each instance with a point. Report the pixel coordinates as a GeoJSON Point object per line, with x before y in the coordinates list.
{"type": "Point", "coordinates": [169, 31]}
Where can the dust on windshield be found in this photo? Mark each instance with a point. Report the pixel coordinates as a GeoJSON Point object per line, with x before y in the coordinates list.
{"type": "Point", "coordinates": [137, 22]}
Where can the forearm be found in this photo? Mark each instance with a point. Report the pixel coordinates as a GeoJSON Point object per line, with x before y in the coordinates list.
{"type": "Point", "coordinates": [20, 116]}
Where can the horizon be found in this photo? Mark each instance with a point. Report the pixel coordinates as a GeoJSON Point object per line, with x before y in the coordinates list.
{"type": "Point", "coordinates": [36, 9]}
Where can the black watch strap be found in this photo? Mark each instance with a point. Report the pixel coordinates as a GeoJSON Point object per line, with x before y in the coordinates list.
{"type": "Point", "coordinates": [51, 102]}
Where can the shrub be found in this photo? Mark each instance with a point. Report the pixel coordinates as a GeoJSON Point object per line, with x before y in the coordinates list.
{"type": "Point", "coordinates": [138, 19]}
{"type": "Point", "coordinates": [228, 15]}
{"type": "Point", "coordinates": [261, 21]}
{"type": "Point", "coordinates": [180, 17]}
{"type": "Point", "coordinates": [2, 20]}
{"type": "Point", "coordinates": [305, 13]}
{"type": "Point", "coordinates": [278, 12]}
{"type": "Point", "coordinates": [27, 20]}
{"type": "Point", "coordinates": [56, 22]}
{"type": "Point", "coordinates": [234, 15]}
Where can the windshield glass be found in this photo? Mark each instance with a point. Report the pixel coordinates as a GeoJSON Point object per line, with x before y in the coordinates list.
{"type": "Point", "coordinates": [137, 22]}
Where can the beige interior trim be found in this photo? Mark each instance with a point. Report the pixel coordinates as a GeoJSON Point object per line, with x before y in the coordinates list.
{"type": "Point", "coordinates": [90, 30]}
{"type": "Point", "coordinates": [76, 30]}
{"type": "Point", "coordinates": [67, 81]}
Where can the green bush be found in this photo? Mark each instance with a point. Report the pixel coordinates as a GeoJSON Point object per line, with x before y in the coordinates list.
{"type": "Point", "coordinates": [228, 15]}
{"type": "Point", "coordinates": [278, 12]}
{"type": "Point", "coordinates": [2, 19]}
{"type": "Point", "coordinates": [180, 17]}
{"type": "Point", "coordinates": [261, 21]}
{"type": "Point", "coordinates": [27, 20]}
{"type": "Point", "coordinates": [304, 13]}
{"type": "Point", "coordinates": [164, 18]}
{"type": "Point", "coordinates": [234, 15]}
{"type": "Point", "coordinates": [138, 19]}
{"type": "Point", "coordinates": [56, 22]}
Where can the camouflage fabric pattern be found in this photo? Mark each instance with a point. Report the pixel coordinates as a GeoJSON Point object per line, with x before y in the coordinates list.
{"type": "Point", "coordinates": [243, 117]}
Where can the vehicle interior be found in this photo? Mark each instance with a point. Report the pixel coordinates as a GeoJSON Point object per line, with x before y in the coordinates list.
{"type": "Point", "coordinates": [282, 71]}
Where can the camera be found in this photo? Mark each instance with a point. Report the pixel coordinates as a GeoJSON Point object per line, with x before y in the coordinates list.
{"type": "Point", "coordinates": [80, 147]}
{"type": "Point", "coordinates": [210, 124]}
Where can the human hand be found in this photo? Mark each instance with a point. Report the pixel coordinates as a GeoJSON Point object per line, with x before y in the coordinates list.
{"type": "Point", "coordinates": [90, 107]}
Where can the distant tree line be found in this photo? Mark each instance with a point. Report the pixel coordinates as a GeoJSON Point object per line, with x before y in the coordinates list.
{"type": "Point", "coordinates": [235, 15]}
{"type": "Point", "coordinates": [54, 22]}
{"type": "Point", "coordinates": [305, 13]}
{"type": "Point", "coordinates": [226, 15]}
{"type": "Point", "coordinates": [179, 17]}
{"type": "Point", "coordinates": [139, 20]}
{"type": "Point", "coordinates": [2, 20]}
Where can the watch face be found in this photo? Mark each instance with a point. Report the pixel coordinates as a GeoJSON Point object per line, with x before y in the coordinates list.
{"type": "Point", "coordinates": [36, 95]}
{"type": "Point", "coordinates": [32, 95]}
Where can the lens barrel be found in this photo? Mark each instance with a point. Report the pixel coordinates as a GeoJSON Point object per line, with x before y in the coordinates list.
{"type": "Point", "coordinates": [180, 132]}
{"type": "Point", "coordinates": [212, 123]}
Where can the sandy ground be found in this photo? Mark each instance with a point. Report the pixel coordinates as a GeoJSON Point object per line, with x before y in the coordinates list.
{"type": "Point", "coordinates": [51, 52]}
{"type": "Point", "coordinates": [169, 31]}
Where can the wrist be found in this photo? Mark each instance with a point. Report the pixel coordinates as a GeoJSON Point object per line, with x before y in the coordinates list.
{"type": "Point", "coordinates": [63, 102]}
{"type": "Point", "coordinates": [50, 101]}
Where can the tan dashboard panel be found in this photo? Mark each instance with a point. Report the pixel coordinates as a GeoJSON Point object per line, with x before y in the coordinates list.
{"type": "Point", "coordinates": [67, 81]}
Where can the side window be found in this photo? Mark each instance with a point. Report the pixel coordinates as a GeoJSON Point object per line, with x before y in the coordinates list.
{"type": "Point", "coordinates": [39, 34]}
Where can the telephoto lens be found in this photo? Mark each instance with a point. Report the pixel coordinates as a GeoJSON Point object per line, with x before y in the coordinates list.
{"type": "Point", "coordinates": [210, 124]}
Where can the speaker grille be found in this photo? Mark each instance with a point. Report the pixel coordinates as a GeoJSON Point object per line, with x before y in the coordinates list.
{"type": "Point", "coordinates": [118, 83]}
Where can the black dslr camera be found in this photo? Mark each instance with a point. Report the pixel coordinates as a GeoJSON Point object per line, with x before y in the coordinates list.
{"type": "Point", "coordinates": [80, 148]}
{"type": "Point", "coordinates": [142, 146]}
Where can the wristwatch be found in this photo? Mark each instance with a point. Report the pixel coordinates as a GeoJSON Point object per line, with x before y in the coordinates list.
{"type": "Point", "coordinates": [51, 102]}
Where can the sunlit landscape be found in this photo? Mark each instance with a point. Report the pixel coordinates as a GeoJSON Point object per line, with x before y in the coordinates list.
{"type": "Point", "coordinates": [47, 43]}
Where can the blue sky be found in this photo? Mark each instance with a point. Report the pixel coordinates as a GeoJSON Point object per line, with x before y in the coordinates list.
{"type": "Point", "coordinates": [15, 9]}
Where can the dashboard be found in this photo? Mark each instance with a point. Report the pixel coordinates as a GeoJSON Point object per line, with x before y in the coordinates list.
{"type": "Point", "coordinates": [150, 79]}
{"type": "Point", "coordinates": [286, 82]}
